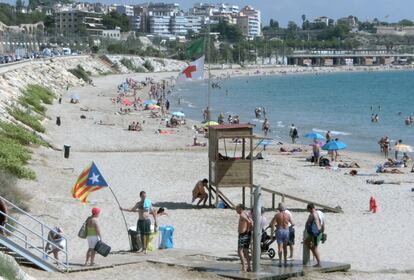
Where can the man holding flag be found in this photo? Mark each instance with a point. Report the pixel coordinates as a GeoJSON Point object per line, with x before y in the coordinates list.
{"type": "Point", "coordinates": [144, 209]}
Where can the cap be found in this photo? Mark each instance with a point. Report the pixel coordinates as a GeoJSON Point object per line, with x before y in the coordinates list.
{"type": "Point", "coordinates": [96, 211]}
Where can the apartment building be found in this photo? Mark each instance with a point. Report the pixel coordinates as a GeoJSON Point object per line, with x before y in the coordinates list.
{"type": "Point", "coordinates": [79, 22]}
{"type": "Point", "coordinates": [125, 10]}
{"type": "Point", "coordinates": [249, 21]}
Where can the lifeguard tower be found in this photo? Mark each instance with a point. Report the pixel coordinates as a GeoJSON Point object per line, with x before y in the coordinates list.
{"type": "Point", "coordinates": [230, 166]}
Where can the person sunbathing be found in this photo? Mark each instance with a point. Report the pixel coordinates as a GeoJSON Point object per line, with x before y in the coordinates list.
{"type": "Point", "coordinates": [348, 165]}
{"type": "Point", "coordinates": [382, 169]}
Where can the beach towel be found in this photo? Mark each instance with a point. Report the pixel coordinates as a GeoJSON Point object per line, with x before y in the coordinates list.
{"type": "Point", "coordinates": [147, 204]}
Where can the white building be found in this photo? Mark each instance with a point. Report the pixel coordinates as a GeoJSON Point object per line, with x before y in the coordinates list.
{"type": "Point", "coordinates": [178, 25]}
{"type": "Point", "coordinates": [194, 23]}
{"type": "Point", "coordinates": [160, 25]}
{"type": "Point", "coordinates": [249, 20]}
{"type": "Point", "coordinates": [324, 20]}
{"type": "Point", "coordinates": [114, 34]}
{"type": "Point", "coordinates": [125, 10]}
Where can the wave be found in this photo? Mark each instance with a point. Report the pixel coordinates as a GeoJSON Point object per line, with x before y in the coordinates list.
{"type": "Point", "coordinates": [333, 132]}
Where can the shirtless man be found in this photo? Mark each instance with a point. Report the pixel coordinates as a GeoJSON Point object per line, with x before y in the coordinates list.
{"type": "Point", "coordinates": [200, 192]}
{"type": "Point", "coordinates": [245, 233]}
{"type": "Point", "coordinates": [281, 221]}
{"type": "Point", "coordinates": [144, 209]}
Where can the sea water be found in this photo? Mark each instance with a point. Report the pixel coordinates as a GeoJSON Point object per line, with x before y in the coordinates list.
{"type": "Point", "coordinates": [340, 102]}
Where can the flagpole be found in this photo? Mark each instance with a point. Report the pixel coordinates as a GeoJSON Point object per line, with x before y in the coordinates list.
{"type": "Point", "coordinates": [209, 74]}
{"type": "Point", "coordinates": [123, 216]}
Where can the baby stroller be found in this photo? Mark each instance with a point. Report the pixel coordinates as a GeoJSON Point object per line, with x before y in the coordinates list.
{"type": "Point", "coordinates": [265, 243]}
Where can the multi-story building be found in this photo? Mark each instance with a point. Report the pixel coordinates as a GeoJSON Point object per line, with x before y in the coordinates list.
{"type": "Point", "coordinates": [194, 23]}
{"type": "Point", "coordinates": [323, 19]}
{"type": "Point", "coordinates": [135, 23]}
{"type": "Point", "coordinates": [249, 21]}
{"type": "Point", "coordinates": [125, 10]}
{"type": "Point", "coordinates": [159, 25]}
{"type": "Point", "coordinates": [79, 22]}
{"type": "Point", "coordinates": [114, 34]}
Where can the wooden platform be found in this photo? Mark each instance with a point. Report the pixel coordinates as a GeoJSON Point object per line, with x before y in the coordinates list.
{"type": "Point", "coordinates": [225, 266]}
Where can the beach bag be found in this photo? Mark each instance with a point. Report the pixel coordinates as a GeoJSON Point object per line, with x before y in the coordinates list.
{"type": "Point", "coordinates": [83, 231]}
{"type": "Point", "coordinates": [102, 248]}
{"type": "Point", "coordinates": [166, 240]}
{"type": "Point", "coordinates": [313, 230]}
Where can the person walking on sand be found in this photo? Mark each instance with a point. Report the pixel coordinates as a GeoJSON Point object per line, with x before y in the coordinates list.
{"type": "Point", "coordinates": [399, 142]}
{"type": "Point", "coordinates": [315, 226]}
{"type": "Point", "coordinates": [93, 235]}
{"type": "Point", "coordinates": [245, 232]}
{"type": "Point", "coordinates": [144, 209]}
{"type": "Point", "coordinates": [281, 221]}
{"type": "Point", "coordinates": [3, 217]}
{"type": "Point", "coordinates": [266, 127]}
{"type": "Point", "coordinates": [293, 133]}
{"type": "Point", "coordinates": [386, 146]}
{"type": "Point", "coordinates": [200, 192]}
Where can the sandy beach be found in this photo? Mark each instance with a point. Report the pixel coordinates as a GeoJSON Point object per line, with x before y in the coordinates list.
{"type": "Point", "coordinates": [378, 246]}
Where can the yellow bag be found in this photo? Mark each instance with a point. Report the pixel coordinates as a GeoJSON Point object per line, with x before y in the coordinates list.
{"type": "Point", "coordinates": [151, 238]}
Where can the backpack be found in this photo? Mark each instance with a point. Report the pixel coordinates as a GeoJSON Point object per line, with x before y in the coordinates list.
{"type": "Point", "coordinates": [313, 230]}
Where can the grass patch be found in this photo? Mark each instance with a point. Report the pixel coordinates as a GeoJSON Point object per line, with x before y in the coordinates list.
{"type": "Point", "coordinates": [20, 135]}
{"type": "Point", "coordinates": [148, 65]}
{"type": "Point", "coordinates": [26, 118]}
{"type": "Point", "coordinates": [34, 96]}
{"type": "Point", "coordinates": [9, 269]}
{"type": "Point", "coordinates": [13, 157]}
{"type": "Point", "coordinates": [80, 73]}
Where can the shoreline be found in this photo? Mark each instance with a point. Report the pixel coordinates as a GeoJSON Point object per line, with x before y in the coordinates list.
{"type": "Point", "coordinates": [169, 174]}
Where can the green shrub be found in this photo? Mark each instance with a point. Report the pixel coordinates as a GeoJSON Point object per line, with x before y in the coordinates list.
{"type": "Point", "coordinates": [27, 119]}
{"type": "Point", "coordinates": [20, 135]}
{"type": "Point", "coordinates": [129, 64]}
{"type": "Point", "coordinates": [8, 270]}
{"type": "Point", "coordinates": [80, 73]}
{"type": "Point", "coordinates": [147, 64]}
{"type": "Point", "coordinates": [34, 96]}
{"type": "Point", "coordinates": [12, 158]}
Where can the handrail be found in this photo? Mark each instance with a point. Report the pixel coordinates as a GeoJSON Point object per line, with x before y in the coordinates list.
{"type": "Point", "coordinates": [283, 195]}
{"type": "Point", "coordinates": [40, 235]}
{"type": "Point", "coordinates": [32, 246]}
{"type": "Point", "coordinates": [43, 240]}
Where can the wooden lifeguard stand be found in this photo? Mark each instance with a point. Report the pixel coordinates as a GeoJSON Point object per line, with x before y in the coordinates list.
{"type": "Point", "coordinates": [228, 170]}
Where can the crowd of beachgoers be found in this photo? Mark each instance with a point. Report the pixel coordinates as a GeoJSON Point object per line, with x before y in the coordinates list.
{"type": "Point", "coordinates": [128, 126]}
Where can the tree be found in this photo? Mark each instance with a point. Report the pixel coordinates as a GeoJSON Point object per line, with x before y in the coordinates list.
{"type": "Point", "coordinates": [231, 33]}
{"type": "Point", "coordinates": [19, 5]}
{"type": "Point", "coordinates": [292, 26]}
{"type": "Point", "coordinates": [114, 19]}
{"type": "Point", "coordinates": [303, 18]}
{"type": "Point", "coordinates": [405, 22]}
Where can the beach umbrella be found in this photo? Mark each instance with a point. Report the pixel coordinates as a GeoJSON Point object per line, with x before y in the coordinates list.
{"type": "Point", "coordinates": [179, 114]}
{"type": "Point", "coordinates": [334, 145]}
{"type": "Point", "coordinates": [265, 142]}
{"type": "Point", "coordinates": [149, 102]}
{"type": "Point", "coordinates": [403, 148]}
{"type": "Point", "coordinates": [314, 135]}
{"type": "Point", "coordinates": [127, 102]}
{"type": "Point", "coordinates": [210, 123]}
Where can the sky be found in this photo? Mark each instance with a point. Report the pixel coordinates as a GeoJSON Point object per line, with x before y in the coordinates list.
{"type": "Point", "coordinates": [286, 10]}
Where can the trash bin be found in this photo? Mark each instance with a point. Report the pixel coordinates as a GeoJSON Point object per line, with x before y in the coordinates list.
{"type": "Point", "coordinates": [135, 238]}
{"type": "Point", "coordinates": [58, 121]}
{"type": "Point", "coordinates": [66, 150]}
{"type": "Point", "coordinates": [166, 238]}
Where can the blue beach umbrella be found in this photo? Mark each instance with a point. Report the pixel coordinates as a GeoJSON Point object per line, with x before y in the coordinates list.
{"type": "Point", "coordinates": [149, 102]}
{"type": "Point", "coordinates": [334, 145]}
{"type": "Point", "coordinates": [265, 142]}
{"type": "Point", "coordinates": [314, 135]}
{"type": "Point", "coordinates": [179, 114]}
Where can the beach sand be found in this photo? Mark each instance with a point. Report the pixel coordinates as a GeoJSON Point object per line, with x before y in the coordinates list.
{"type": "Point", "coordinates": [378, 246]}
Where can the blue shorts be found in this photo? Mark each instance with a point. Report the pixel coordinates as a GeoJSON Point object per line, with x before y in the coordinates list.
{"type": "Point", "coordinates": [282, 236]}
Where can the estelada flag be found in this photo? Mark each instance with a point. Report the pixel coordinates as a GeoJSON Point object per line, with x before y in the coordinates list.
{"type": "Point", "coordinates": [89, 180]}
{"type": "Point", "coordinates": [194, 71]}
